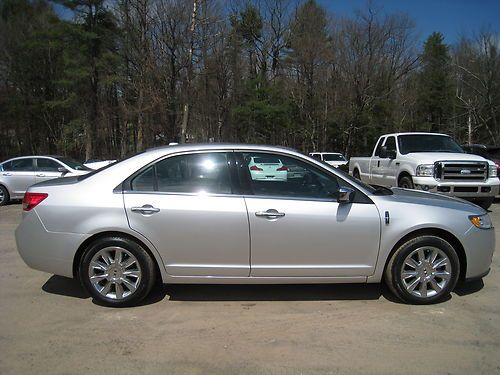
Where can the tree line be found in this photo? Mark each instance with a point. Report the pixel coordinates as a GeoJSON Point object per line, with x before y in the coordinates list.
{"type": "Point", "coordinates": [123, 76]}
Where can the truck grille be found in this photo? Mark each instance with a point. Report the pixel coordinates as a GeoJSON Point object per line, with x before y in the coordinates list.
{"type": "Point", "coordinates": [460, 171]}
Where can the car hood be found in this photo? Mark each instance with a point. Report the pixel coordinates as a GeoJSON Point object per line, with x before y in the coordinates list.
{"type": "Point", "coordinates": [431, 157]}
{"type": "Point", "coordinates": [432, 199]}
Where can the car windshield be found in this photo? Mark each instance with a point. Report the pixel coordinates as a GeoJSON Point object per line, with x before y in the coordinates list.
{"type": "Point", "coordinates": [427, 143]}
{"type": "Point", "coordinates": [333, 157]}
{"type": "Point", "coordinates": [73, 164]}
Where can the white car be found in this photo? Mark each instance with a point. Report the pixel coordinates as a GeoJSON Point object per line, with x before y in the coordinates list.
{"type": "Point", "coordinates": [267, 168]}
{"type": "Point", "coordinates": [335, 159]}
{"type": "Point", "coordinates": [98, 164]}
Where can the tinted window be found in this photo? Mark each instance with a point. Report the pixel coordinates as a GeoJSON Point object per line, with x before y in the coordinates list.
{"type": "Point", "coordinates": [378, 147]}
{"type": "Point", "coordinates": [267, 160]}
{"type": "Point", "coordinates": [19, 165]}
{"type": "Point", "coordinates": [427, 143]}
{"type": "Point", "coordinates": [294, 179]}
{"type": "Point", "coordinates": [334, 157]}
{"type": "Point", "coordinates": [47, 165]}
{"type": "Point", "coordinates": [391, 144]}
{"type": "Point", "coordinates": [196, 173]}
{"type": "Point", "coordinates": [316, 156]}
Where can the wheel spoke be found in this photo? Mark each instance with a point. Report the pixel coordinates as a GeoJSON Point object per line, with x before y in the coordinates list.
{"type": "Point", "coordinates": [98, 265]}
{"type": "Point", "coordinates": [442, 275]}
{"type": "Point", "coordinates": [435, 285]}
{"type": "Point", "coordinates": [433, 256]}
{"type": "Point", "coordinates": [128, 262]}
{"type": "Point", "coordinates": [132, 273]}
{"type": "Point", "coordinates": [408, 274]}
{"type": "Point", "coordinates": [96, 279]}
{"type": "Point", "coordinates": [119, 290]}
{"type": "Point", "coordinates": [131, 286]}
{"type": "Point", "coordinates": [423, 289]}
{"type": "Point", "coordinates": [105, 290]}
{"type": "Point", "coordinates": [118, 256]}
{"type": "Point", "coordinates": [421, 255]}
{"type": "Point", "coordinates": [440, 263]}
{"type": "Point", "coordinates": [411, 287]}
{"type": "Point", "coordinates": [411, 263]}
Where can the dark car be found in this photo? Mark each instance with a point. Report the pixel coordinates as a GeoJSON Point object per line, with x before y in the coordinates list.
{"type": "Point", "coordinates": [491, 152]}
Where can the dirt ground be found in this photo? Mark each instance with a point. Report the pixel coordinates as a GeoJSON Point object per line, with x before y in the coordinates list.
{"type": "Point", "coordinates": [48, 325]}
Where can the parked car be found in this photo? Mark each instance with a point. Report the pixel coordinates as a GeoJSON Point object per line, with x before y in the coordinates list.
{"type": "Point", "coordinates": [197, 214]}
{"type": "Point", "coordinates": [267, 168]}
{"type": "Point", "coordinates": [17, 174]}
{"type": "Point", "coordinates": [490, 152]}
{"type": "Point", "coordinates": [430, 162]}
{"type": "Point", "coordinates": [97, 163]}
{"type": "Point", "coordinates": [335, 159]}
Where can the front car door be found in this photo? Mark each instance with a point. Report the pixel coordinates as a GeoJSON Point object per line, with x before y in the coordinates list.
{"type": "Point", "coordinates": [47, 169]}
{"type": "Point", "coordinates": [186, 206]}
{"type": "Point", "coordinates": [389, 166]}
{"type": "Point", "coordinates": [299, 230]}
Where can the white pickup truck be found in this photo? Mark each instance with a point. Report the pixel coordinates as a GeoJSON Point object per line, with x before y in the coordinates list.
{"type": "Point", "coordinates": [430, 162]}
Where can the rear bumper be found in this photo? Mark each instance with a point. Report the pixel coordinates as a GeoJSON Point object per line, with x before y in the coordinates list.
{"type": "Point", "coordinates": [46, 251]}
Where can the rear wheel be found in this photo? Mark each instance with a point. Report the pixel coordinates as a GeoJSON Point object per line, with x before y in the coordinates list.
{"type": "Point", "coordinates": [4, 196]}
{"type": "Point", "coordinates": [423, 270]}
{"type": "Point", "coordinates": [406, 182]}
{"type": "Point", "coordinates": [117, 271]}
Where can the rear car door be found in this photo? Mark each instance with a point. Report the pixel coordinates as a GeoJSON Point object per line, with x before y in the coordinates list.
{"type": "Point", "coordinates": [18, 175]}
{"type": "Point", "coordinates": [299, 230]}
{"type": "Point", "coordinates": [186, 207]}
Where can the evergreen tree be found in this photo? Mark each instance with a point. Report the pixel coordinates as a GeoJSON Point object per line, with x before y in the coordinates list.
{"type": "Point", "coordinates": [435, 90]}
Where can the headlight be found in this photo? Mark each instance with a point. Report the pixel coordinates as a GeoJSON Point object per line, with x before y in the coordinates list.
{"type": "Point", "coordinates": [492, 171]}
{"type": "Point", "coordinates": [481, 221]}
{"type": "Point", "coordinates": [425, 170]}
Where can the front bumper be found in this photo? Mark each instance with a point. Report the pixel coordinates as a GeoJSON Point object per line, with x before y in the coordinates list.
{"type": "Point", "coordinates": [463, 189]}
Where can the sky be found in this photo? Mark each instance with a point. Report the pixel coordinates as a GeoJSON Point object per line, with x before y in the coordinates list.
{"type": "Point", "coordinates": [453, 18]}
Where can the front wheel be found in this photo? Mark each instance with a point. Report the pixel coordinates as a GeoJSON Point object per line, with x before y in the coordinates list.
{"type": "Point", "coordinates": [117, 271]}
{"type": "Point", "coordinates": [406, 182]}
{"type": "Point", "coordinates": [423, 270]}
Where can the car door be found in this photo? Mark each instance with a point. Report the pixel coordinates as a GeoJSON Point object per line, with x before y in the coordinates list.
{"type": "Point", "coordinates": [299, 230]}
{"type": "Point", "coordinates": [185, 206]}
{"type": "Point", "coordinates": [376, 171]}
{"type": "Point", "coordinates": [18, 175]}
{"type": "Point", "coordinates": [47, 169]}
{"type": "Point", "coordinates": [389, 166]}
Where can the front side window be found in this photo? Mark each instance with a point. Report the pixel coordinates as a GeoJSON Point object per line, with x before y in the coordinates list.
{"type": "Point", "coordinates": [47, 165]}
{"type": "Point", "coordinates": [391, 144]}
{"type": "Point", "coordinates": [282, 176]}
{"type": "Point", "coordinates": [194, 173]}
{"type": "Point", "coordinates": [378, 148]}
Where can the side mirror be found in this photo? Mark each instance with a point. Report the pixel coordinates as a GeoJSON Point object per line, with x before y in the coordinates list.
{"type": "Point", "coordinates": [345, 195]}
{"type": "Point", "coordinates": [62, 170]}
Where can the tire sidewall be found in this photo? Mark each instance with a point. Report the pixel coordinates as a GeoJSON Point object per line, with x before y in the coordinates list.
{"type": "Point", "coordinates": [145, 262]}
{"type": "Point", "coordinates": [405, 250]}
{"type": "Point", "coordinates": [408, 182]}
{"type": "Point", "coordinates": [6, 196]}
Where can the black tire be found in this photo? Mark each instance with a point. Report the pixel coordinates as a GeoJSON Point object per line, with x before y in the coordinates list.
{"type": "Point", "coordinates": [141, 274]}
{"type": "Point", "coordinates": [401, 286]}
{"type": "Point", "coordinates": [355, 174]}
{"type": "Point", "coordinates": [485, 203]}
{"type": "Point", "coordinates": [406, 182]}
{"type": "Point", "coordinates": [4, 196]}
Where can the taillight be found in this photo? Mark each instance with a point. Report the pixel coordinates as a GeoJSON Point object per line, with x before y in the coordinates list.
{"type": "Point", "coordinates": [255, 168]}
{"type": "Point", "coordinates": [31, 200]}
{"type": "Point", "coordinates": [283, 168]}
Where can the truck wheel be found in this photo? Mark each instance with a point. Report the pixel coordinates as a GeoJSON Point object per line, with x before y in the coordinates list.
{"type": "Point", "coordinates": [423, 270]}
{"type": "Point", "coordinates": [355, 174]}
{"type": "Point", "coordinates": [485, 203]}
{"type": "Point", "coordinates": [406, 182]}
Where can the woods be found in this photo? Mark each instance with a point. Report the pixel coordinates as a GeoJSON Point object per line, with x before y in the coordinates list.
{"type": "Point", "coordinates": [127, 75]}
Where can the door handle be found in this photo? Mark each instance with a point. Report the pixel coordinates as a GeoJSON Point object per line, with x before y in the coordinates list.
{"type": "Point", "coordinates": [40, 175]}
{"type": "Point", "coordinates": [7, 174]}
{"type": "Point", "coordinates": [147, 209]}
{"type": "Point", "coordinates": [271, 213]}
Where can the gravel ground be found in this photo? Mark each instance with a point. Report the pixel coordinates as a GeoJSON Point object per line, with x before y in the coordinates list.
{"type": "Point", "coordinates": [48, 325]}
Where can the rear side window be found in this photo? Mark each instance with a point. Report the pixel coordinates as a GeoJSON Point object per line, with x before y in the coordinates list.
{"type": "Point", "coordinates": [195, 173]}
{"type": "Point", "coordinates": [19, 165]}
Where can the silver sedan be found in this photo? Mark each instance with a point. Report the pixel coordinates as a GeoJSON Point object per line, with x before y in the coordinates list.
{"type": "Point", "coordinates": [195, 214]}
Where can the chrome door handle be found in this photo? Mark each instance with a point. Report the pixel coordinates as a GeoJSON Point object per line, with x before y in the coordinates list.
{"type": "Point", "coordinates": [7, 174]}
{"type": "Point", "coordinates": [271, 213]}
{"type": "Point", "coordinates": [40, 175]}
{"type": "Point", "coordinates": [147, 209]}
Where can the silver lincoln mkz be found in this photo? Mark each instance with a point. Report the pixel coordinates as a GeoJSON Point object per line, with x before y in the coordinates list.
{"type": "Point", "coordinates": [196, 214]}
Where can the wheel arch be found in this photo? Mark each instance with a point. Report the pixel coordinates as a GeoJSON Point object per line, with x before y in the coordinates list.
{"type": "Point", "coordinates": [445, 235]}
{"type": "Point", "coordinates": [85, 244]}
{"type": "Point", "coordinates": [404, 173]}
